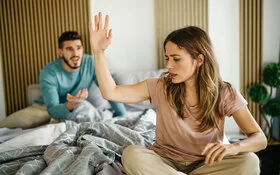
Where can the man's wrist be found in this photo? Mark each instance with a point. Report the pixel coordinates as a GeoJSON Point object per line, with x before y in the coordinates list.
{"type": "Point", "coordinates": [70, 106]}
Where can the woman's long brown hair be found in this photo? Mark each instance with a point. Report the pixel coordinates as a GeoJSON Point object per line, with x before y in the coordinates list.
{"type": "Point", "coordinates": [196, 41]}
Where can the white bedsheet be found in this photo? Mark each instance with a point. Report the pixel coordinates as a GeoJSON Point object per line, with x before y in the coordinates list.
{"type": "Point", "coordinates": [43, 135]}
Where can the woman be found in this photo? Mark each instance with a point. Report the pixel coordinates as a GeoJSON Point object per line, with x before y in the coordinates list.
{"type": "Point", "coordinates": [191, 103]}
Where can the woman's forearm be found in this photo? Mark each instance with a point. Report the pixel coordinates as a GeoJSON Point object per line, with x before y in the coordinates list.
{"type": "Point", "coordinates": [104, 78]}
{"type": "Point", "coordinates": [255, 142]}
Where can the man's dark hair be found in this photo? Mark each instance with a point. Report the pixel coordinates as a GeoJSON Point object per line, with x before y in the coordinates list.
{"type": "Point", "coordinates": [68, 36]}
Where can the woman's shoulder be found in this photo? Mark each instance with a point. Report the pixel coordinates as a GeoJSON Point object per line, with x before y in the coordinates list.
{"type": "Point", "coordinates": [227, 91]}
{"type": "Point", "coordinates": [231, 99]}
{"type": "Point", "coordinates": [155, 81]}
{"type": "Point", "coordinates": [227, 87]}
{"type": "Point", "coordinates": [231, 94]}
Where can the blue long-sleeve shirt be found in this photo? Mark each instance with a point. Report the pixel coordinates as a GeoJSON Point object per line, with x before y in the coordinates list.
{"type": "Point", "coordinates": [55, 83]}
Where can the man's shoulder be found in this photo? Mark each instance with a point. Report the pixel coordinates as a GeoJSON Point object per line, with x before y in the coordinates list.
{"type": "Point", "coordinates": [87, 57]}
{"type": "Point", "coordinates": [52, 67]}
{"type": "Point", "coordinates": [87, 61]}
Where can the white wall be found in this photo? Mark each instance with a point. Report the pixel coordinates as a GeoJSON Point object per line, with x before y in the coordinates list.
{"type": "Point", "coordinates": [133, 45]}
{"type": "Point", "coordinates": [224, 33]}
{"type": "Point", "coordinates": [271, 39]}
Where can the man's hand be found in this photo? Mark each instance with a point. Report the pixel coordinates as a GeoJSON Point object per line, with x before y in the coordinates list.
{"type": "Point", "coordinates": [73, 101]}
{"type": "Point", "coordinates": [215, 152]}
{"type": "Point", "coordinates": [100, 38]}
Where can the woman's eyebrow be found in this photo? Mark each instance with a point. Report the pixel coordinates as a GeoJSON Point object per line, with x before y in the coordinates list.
{"type": "Point", "coordinates": [172, 55]}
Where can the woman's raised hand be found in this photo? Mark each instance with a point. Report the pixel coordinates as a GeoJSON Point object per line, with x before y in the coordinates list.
{"type": "Point", "coordinates": [100, 38]}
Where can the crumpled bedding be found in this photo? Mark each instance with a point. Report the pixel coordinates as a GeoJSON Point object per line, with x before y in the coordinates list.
{"type": "Point", "coordinates": [91, 146]}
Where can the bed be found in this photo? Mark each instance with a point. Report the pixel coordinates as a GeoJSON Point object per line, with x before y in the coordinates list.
{"type": "Point", "coordinates": [92, 146]}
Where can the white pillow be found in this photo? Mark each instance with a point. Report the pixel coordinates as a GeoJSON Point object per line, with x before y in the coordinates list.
{"type": "Point", "coordinates": [135, 77]}
{"type": "Point", "coordinates": [33, 93]}
{"type": "Point", "coordinates": [96, 99]}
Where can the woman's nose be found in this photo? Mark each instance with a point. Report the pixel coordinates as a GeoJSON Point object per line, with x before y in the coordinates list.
{"type": "Point", "coordinates": [169, 65]}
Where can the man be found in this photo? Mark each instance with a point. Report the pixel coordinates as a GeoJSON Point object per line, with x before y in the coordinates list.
{"type": "Point", "coordinates": [64, 84]}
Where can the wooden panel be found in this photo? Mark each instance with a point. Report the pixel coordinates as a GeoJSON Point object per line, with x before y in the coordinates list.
{"type": "Point", "coordinates": [251, 59]}
{"type": "Point", "coordinates": [174, 14]}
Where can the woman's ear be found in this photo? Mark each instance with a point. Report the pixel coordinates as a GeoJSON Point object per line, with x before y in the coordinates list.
{"type": "Point", "coordinates": [200, 60]}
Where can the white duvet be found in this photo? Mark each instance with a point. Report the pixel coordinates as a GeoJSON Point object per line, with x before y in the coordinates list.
{"type": "Point", "coordinates": [43, 135]}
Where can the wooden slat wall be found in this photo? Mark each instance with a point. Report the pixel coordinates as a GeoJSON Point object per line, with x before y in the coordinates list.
{"type": "Point", "coordinates": [251, 58]}
{"type": "Point", "coordinates": [174, 14]}
{"type": "Point", "coordinates": [29, 40]}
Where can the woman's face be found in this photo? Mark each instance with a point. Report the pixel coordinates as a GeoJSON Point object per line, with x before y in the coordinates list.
{"type": "Point", "coordinates": [182, 67]}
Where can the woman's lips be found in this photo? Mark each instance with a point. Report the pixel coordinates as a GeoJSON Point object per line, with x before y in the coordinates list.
{"type": "Point", "coordinates": [171, 75]}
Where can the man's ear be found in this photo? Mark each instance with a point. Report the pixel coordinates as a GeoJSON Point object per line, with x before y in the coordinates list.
{"type": "Point", "coordinates": [200, 60]}
{"type": "Point", "coordinates": [59, 52]}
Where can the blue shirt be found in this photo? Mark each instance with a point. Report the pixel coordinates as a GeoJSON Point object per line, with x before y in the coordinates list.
{"type": "Point", "coordinates": [55, 83]}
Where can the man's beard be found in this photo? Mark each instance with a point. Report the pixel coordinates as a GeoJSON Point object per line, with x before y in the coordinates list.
{"type": "Point", "coordinates": [68, 64]}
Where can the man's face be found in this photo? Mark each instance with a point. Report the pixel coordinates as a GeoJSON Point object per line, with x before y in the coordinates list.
{"type": "Point", "coordinates": [72, 53]}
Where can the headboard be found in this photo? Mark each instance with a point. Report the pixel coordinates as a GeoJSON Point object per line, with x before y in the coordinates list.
{"type": "Point", "coordinates": [33, 93]}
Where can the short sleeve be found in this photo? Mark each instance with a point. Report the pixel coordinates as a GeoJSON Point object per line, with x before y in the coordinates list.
{"type": "Point", "coordinates": [154, 86]}
{"type": "Point", "coordinates": [233, 101]}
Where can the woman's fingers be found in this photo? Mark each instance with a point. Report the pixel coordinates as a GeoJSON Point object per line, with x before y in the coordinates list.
{"type": "Point", "coordinates": [221, 155]}
{"type": "Point", "coordinates": [100, 22]}
{"type": "Point", "coordinates": [214, 152]}
{"type": "Point", "coordinates": [215, 155]}
{"type": "Point", "coordinates": [96, 22]}
{"type": "Point", "coordinates": [106, 26]}
{"type": "Point", "coordinates": [90, 27]}
{"type": "Point", "coordinates": [110, 35]}
{"type": "Point", "coordinates": [211, 148]}
{"type": "Point", "coordinates": [206, 148]}
{"type": "Point", "coordinates": [100, 38]}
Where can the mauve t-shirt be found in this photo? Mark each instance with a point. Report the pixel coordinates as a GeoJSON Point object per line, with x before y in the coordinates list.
{"type": "Point", "coordinates": [177, 138]}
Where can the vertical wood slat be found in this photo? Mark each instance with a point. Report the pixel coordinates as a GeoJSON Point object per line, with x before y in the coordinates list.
{"type": "Point", "coordinates": [29, 36]}
{"type": "Point", "coordinates": [174, 14]}
{"type": "Point", "coordinates": [251, 60]}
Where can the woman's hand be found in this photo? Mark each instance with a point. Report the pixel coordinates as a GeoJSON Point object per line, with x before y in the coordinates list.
{"type": "Point", "coordinates": [100, 38]}
{"type": "Point", "coordinates": [215, 152]}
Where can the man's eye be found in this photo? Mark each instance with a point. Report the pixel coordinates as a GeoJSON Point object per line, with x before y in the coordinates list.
{"type": "Point", "coordinates": [176, 59]}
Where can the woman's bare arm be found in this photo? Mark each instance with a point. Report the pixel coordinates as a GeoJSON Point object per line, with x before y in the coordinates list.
{"type": "Point", "coordinates": [100, 39]}
{"type": "Point", "coordinates": [256, 139]}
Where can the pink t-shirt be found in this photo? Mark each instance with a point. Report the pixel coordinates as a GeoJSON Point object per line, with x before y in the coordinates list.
{"type": "Point", "coordinates": [177, 138]}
